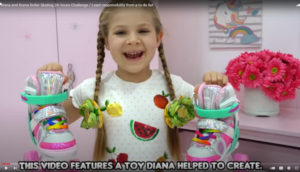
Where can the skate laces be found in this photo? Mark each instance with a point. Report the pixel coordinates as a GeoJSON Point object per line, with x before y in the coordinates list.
{"type": "Point", "coordinates": [207, 129]}
{"type": "Point", "coordinates": [204, 135]}
{"type": "Point", "coordinates": [56, 123]}
{"type": "Point", "coordinates": [53, 123]}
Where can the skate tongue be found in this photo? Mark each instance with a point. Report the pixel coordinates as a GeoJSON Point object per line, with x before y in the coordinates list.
{"type": "Point", "coordinates": [216, 97]}
{"type": "Point", "coordinates": [32, 86]}
{"type": "Point", "coordinates": [226, 97]}
{"type": "Point", "coordinates": [51, 82]}
{"type": "Point", "coordinates": [210, 93]}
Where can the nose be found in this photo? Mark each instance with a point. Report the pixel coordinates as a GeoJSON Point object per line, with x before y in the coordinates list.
{"type": "Point", "coordinates": [133, 39]}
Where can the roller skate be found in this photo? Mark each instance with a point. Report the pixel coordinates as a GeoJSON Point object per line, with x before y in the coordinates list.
{"type": "Point", "coordinates": [217, 130]}
{"type": "Point", "coordinates": [47, 119]}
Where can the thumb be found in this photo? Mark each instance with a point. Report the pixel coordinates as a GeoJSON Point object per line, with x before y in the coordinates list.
{"type": "Point", "coordinates": [66, 79]}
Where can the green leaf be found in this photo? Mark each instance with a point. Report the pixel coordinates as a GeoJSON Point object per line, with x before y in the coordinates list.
{"type": "Point", "coordinates": [90, 105]}
{"type": "Point", "coordinates": [103, 108]}
{"type": "Point", "coordinates": [166, 95]}
{"type": "Point", "coordinates": [165, 155]}
{"type": "Point", "coordinates": [114, 149]}
{"type": "Point", "coordinates": [106, 103]}
{"type": "Point", "coordinates": [92, 120]}
{"type": "Point", "coordinates": [108, 150]}
{"type": "Point", "coordinates": [162, 93]}
{"type": "Point", "coordinates": [84, 124]}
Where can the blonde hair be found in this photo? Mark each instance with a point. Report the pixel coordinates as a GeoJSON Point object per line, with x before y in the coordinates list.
{"type": "Point", "coordinates": [100, 144]}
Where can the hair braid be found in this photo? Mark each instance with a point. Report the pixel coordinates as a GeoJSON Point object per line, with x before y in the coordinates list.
{"type": "Point", "coordinates": [173, 134]}
{"type": "Point", "coordinates": [100, 142]}
{"type": "Point", "coordinates": [166, 71]}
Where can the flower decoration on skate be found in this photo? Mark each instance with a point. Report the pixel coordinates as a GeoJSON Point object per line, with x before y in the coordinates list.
{"type": "Point", "coordinates": [276, 73]}
{"type": "Point", "coordinates": [92, 116]}
{"type": "Point", "coordinates": [179, 112]}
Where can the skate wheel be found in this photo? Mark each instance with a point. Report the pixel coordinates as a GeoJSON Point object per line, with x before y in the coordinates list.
{"type": "Point", "coordinates": [31, 156]}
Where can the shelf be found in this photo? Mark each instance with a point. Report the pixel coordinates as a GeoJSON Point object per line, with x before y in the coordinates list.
{"type": "Point", "coordinates": [283, 129]}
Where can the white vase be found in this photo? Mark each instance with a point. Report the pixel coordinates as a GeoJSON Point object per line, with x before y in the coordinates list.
{"type": "Point", "coordinates": [256, 103]}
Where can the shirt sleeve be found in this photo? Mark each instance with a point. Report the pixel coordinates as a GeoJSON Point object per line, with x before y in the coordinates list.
{"type": "Point", "coordinates": [83, 91]}
{"type": "Point", "coordinates": [182, 88]}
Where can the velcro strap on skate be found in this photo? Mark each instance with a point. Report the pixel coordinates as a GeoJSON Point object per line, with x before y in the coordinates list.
{"type": "Point", "coordinates": [212, 124]}
{"type": "Point", "coordinates": [216, 125]}
{"type": "Point", "coordinates": [217, 113]}
{"type": "Point", "coordinates": [48, 112]}
{"type": "Point", "coordinates": [44, 99]}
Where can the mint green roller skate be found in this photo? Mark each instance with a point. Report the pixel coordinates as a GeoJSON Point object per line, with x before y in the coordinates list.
{"type": "Point", "coordinates": [47, 119]}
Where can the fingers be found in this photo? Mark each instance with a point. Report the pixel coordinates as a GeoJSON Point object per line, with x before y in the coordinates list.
{"type": "Point", "coordinates": [196, 88]}
{"type": "Point", "coordinates": [225, 80]}
{"type": "Point", "coordinates": [214, 78]}
{"type": "Point", "coordinates": [219, 79]}
{"type": "Point", "coordinates": [207, 78]}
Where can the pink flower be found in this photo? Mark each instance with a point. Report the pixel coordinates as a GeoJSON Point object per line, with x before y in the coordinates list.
{"type": "Point", "coordinates": [251, 59]}
{"type": "Point", "coordinates": [288, 76]}
{"type": "Point", "coordinates": [271, 89]}
{"type": "Point", "coordinates": [237, 70]}
{"type": "Point", "coordinates": [287, 93]}
{"type": "Point", "coordinates": [286, 58]}
{"type": "Point", "coordinates": [252, 77]}
{"type": "Point", "coordinates": [278, 74]}
{"type": "Point", "coordinates": [275, 70]}
{"type": "Point", "coordinates": [265, 55]}
{"type": "Point", "coordinates": [234, 80]}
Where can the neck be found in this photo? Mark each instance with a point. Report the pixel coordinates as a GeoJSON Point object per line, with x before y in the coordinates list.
{"type": "Point", "coordinates": [134, 77]}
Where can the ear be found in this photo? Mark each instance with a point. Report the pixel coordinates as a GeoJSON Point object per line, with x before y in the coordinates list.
{"type": "Point", "coordinates": [106, 43]}
{"type": "Point", "coordinates": [159, 37]}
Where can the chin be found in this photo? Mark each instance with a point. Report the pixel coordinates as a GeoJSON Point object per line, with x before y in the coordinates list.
{"type": "Point", "coordinates": [134, 70]}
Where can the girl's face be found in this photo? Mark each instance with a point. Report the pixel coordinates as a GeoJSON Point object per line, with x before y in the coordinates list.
{"type": "Point", "coordinates": [132, 39]}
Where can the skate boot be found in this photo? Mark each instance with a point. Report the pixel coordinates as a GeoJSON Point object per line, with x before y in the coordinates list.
{"type": "Point", "coordinates": [217, 130]}
{"type": "Point", "coordinates": [47, 119]}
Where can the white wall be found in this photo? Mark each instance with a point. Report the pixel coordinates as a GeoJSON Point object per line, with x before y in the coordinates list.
{"type": "Point", "coordinates": [186, 38]}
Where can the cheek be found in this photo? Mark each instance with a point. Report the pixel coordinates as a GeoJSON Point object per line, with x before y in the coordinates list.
{"type": "Point", "coordinates": [115, 43]}
{"type": "Point", "coordinates": [152, 43]}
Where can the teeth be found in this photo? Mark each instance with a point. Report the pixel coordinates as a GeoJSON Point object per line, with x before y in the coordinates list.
{"type": "Point", "coordinates": [134, 54]}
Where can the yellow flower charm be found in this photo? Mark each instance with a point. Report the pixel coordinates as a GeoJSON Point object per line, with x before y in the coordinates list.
{"type": "Point", "coordinates": [179, 112]}
{"type": "Point", "coordinates": [167, 119]}
{"type": "Point", "coordinates": [114, 109]}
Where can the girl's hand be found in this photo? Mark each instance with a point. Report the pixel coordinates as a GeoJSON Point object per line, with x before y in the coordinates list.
{"type": "Point", "coordinates": [53, 67]}
{"type": "Point", "coordinates": [213, 78]}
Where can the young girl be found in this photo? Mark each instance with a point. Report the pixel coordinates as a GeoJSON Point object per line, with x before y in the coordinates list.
{"type": "Point", "coordinates": [132, 94]}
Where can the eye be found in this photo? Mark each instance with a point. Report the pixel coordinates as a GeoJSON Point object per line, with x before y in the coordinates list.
{"type": "Point", "coordinates": [143, 31]}
{"type": "Point", "coordinates": [121, 32]}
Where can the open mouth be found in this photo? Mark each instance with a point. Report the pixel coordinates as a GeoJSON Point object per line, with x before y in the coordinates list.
{"type": "Point", "coordinates": [134, 55]}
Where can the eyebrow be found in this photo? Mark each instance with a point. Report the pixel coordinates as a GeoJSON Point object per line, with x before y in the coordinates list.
{"type": "Point", "coordinates": [140, 25]}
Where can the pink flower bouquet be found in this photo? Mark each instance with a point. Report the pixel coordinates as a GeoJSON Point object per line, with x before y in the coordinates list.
{"type": "Point", "coordinates": [276, 73]}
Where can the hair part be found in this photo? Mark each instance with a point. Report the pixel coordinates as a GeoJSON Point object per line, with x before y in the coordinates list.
{"type": "Point", "coordinates": [100, 142]}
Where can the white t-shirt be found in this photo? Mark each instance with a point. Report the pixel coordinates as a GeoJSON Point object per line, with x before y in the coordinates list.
{"type": "Point", "coordinates": [137, 102]}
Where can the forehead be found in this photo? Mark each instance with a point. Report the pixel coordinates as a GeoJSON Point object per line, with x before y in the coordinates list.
{"type": "Point", "coordinates": [130, 17]}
